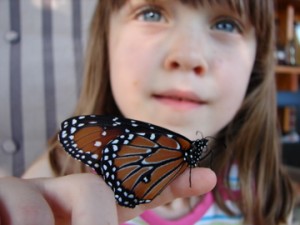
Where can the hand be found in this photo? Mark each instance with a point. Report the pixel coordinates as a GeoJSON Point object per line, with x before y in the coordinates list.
{"type": "Point", "coordinates": [81, 199]}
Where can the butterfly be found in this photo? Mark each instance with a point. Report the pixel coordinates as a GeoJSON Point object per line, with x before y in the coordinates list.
{"type": "Point", "coordinates": [137, 160]}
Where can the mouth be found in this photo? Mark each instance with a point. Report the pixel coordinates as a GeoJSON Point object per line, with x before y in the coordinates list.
{"type": "Point", "coordinates": [179, 99]}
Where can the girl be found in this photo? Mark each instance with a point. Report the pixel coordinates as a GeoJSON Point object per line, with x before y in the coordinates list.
{"type": "Point", "coordinates": [189, 66]}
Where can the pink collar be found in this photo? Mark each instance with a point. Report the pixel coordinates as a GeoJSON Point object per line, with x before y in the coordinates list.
{"type": "Point", "coordinates": [191, 218]}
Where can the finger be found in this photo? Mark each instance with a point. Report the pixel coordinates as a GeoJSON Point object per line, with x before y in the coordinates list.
{"type": "Point", "coordinates": [99, 206]}
{"type": "Point", "coordinates": [86, 199]}
{"type": "Point", "coordinates": [80, 199]}
{"type": "Point", "coordinates": [22, 203]}
{"type": "Point", "coordinates": [203, 180]}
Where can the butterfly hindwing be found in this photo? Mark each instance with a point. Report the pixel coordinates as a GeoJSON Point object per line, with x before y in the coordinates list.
{"type": "Point", "coordinates": [137, 168]}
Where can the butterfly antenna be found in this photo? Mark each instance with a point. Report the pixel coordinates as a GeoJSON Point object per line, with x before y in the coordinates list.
{"type": "Point", "coordinates": [211, 159]}
{"type": "Point", "coordinates": [190, 178]}
{"type": "Point", "coordinates": [216, 140]}
{"type": "Point", "coordinates": [199, 132]}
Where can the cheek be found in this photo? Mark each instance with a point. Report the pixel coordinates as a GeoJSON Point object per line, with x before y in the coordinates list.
{"type": "Point", "coordinates": [123, 81]}
{"type": "Point", "coordinates": [126, 74]}
{"type": "Point", "coordinates": [233, 82]}
{"type": "Point", "coordinates": [234, 95]}
{"type": "Point", "coordinates": [126, 90]}
{"type": "Point", "coordinates": [123, 88]}
{"type": "Point", "coordinates": [130, 81]}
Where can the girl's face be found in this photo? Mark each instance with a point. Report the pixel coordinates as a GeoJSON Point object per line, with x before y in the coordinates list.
{"type": "Point", "coordinates": [180, 66]}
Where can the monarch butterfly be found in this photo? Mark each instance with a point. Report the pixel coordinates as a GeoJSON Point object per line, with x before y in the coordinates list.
{"type": "Point", "coordinates": [136, 159]}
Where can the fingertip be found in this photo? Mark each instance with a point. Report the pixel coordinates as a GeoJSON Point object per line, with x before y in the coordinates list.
{"type": "Point", "coordinates": [198, 181]}
{"type": "Point", "coordinates": [207, 176]}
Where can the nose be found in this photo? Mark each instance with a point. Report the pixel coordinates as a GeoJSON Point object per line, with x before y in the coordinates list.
{"type": "Point", "coordinates": [187, 53]}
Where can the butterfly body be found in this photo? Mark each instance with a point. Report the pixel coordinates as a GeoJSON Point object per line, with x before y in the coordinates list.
{"type": "Point", "coordinates": [136, 159]}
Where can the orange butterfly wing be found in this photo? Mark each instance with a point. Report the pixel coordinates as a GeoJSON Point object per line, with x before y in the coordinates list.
{"type": "Point", "coordinates": [139, 166]}
{"type": "Point", "coordinates": [136, 159]}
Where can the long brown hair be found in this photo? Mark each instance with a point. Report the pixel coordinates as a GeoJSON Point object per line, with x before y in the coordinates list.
{"type": "Point", "coordinates": [252, 137]}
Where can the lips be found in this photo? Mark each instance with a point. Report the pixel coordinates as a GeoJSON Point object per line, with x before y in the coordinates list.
{"type": "Point", "coordinates": [179, 99]}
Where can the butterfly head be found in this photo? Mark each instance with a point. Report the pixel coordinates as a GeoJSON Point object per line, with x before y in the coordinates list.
{"type": "Point", "coordinates": [195, 154]}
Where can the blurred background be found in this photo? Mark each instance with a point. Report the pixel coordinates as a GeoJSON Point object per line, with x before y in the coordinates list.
{"type": "Point", "coordinates": [42, 44]}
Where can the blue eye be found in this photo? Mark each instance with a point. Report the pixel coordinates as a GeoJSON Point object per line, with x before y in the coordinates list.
{"type": "Point", "coordinates": [227, 26]}
{"type": "Point", "coordinates": [151, 15]}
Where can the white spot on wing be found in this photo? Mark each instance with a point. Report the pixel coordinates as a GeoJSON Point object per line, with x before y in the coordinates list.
{"type": "Point", "coordinates": [98, 144]}
{"type": "Point", "coordinates": [115, 141]}
{"type": "Point", "coordinates": [130, 137]}
{"type": "Point", "coordinates": [64, 134]}
{"type": "Point", "coordinates": [73, 130]}
{"type": "Point", "coordinates": [152, 137]}
{"type": "Point", "coordinates": [95, 156]}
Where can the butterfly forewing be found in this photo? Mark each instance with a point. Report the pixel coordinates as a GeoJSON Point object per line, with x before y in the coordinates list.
{"type": "Point", "coordinates": [83, 138]}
